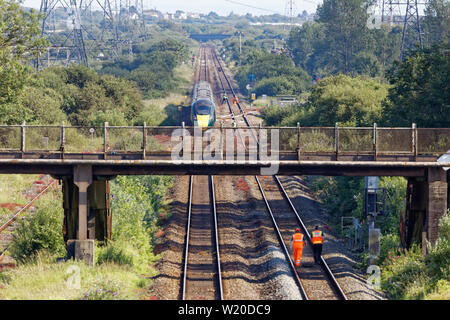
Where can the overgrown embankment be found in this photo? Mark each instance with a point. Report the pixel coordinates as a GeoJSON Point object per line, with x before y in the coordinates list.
{"type": "Point", "coordinates": [123, 267]}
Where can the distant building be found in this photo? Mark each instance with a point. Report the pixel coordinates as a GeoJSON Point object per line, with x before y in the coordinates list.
{"type": "Point", "coordinates": [152, 14]}
{"type": "Point", "coordinates": [193, 15]}
{"type": "Point", "coordinates": [180, 15]}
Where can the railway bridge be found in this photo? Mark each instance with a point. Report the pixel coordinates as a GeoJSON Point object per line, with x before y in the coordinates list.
{"type": "Point", "coordinates": [84, 159]}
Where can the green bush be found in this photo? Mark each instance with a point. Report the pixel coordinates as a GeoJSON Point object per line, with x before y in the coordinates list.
{"type": "Point", "coordinates": [112, 253]}
{"type": "Point", "coordinates": [407, 275]}
{"type": "Point", "coordinates": [41, 231]}
{"type": "Point", "coordinates": [438, 260]}
{"type": "Point", "coordinates": [274, 86]}
{"type": "Point", "coordinates": [135, 204]}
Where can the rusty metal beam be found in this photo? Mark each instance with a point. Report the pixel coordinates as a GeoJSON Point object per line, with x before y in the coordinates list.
{"type": "Point", "coordinates": [219, 167]}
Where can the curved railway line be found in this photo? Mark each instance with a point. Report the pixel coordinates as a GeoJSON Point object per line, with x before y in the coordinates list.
{"type": "Point", "coordinates": [202, 278]}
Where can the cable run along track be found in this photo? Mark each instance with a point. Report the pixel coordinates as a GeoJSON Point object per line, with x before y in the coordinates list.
{"type": "Point", "coordinates": [318, 281]}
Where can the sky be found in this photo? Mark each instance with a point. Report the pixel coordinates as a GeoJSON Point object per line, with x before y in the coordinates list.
{"type": "Point", "coordinates": [222, 7]}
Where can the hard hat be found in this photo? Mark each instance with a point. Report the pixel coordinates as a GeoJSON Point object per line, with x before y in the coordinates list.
{"type": "Point", "coordinates": [297, 230]}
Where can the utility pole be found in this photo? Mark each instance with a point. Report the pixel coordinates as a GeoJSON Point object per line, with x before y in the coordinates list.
{"type": "Point", "coordinates": [390, 9]}
{"type": "Point", "coordinates": [78, 41]}
{"type": "Point", "coordinates": [122, 24]}
{"type": "Point", "coordinates": [411, 22]}
{"type": "Point", "coordinates": [409, 11]}
{"type": "Point", "coordinates": [240, 45]}
{"type": "Point", "coordinates": [290, 10]}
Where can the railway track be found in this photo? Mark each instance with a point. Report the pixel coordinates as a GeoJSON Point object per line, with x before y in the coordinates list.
{"type": "Point", "coordinates": [318, 280]}
{"type": "Point", "coordinates": [8, 224]}
{"type": "Point", "coordinates": [202, 275]}
{"type": "Point", "coordinates": [202, 278]}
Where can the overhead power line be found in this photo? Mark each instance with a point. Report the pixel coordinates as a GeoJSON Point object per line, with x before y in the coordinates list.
{"type": "Point", "coordinates": [254, 7]}
{"type": "Point", "coordinates": [268, 10]}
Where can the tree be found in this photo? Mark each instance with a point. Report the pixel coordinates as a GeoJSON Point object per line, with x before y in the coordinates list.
{"type": "Point", "coordinates": [304, 43]}
{"type": "Point", "coordinates": [421, 89]}
{"type": "Point", "coordinates": [264, 66]}
{"type": "Point", "coordinates": [345, 30]}
{"type": "Point", "coordinates": [349, 101]}
{"type": "Point", "coordinates": [437, 21]}
{"type": "Point", "coordinates": [19, 44]}
{"type": "Point", "coordinates": [274, 86]}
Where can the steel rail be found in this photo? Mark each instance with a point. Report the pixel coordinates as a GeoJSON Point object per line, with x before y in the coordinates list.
{"type": "Point", "coordinates": [233, 116]}
{"type": "Point", "coordinates": [25, 207]}
{"type": "Point", "coordinates": [216, 238]}
{"type": "Point", "coordinates": [188, 230]}
{"type": "Point", "coordinates": [215, 224]}
{"type": "Point", "coordinates": [325, 266]}
{"type": "Point", "coordinates": [269, 209]}
{"type": "Point", "coordinates": [280, 239]}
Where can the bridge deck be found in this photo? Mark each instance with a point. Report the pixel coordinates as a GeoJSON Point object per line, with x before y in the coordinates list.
{"type": "Point", "coordinates": [220, 167]}
{"type": "Point", "coordinates": [156, 150]}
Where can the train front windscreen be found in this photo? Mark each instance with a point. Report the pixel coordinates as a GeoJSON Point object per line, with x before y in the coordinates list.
{"type": "Point", "coordinates": [202, 114]}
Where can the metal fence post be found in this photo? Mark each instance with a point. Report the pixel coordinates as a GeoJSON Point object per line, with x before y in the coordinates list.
{"type": "Point", "coordinates": [258, 142]}
{"type": "Point", "coordinates": [375, 141]}
{"type": "Point", "coordinates": [22, 138]}
{"type": "Point", "coordinates": [298, 141]}
{"type": "Point", "coordinates": [184, 137]}
{"type": "Point", "coordinates": [414, 141]}
{"type": "Point", "coordinates": [336, 140]}
{"type": "Point", "coordinates": [105, 140]}
{"type": "Point", "coordinates": [221, 140]}
{"type": "Point", "coordinates": [144, 139]}
{"type": "Point", "coordinates": [62, 140]}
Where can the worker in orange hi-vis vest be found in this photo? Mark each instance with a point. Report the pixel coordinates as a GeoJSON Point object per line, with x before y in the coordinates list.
{"type": "Point", "coordinates": [297, 246]}
{"type": "Point", "coordinates": [317, 242]}
{"type": "Point", "coordinates": [235, 100]}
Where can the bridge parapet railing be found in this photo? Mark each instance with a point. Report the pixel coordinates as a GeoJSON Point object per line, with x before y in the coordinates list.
{"type": "Point", "coordinates": [432, 141]}
{"type": "Point", "coordinates": [411, 141]}
{"type": "Point", "coordinates": [10, 138]}
{"type": "Point", "coordinates": [159, 139]}
{"type": "Point", "coordinates": [42, 138]}
{"type": "Point", "coordinates": [78, 139]}
{"type": "Point", "coordinates": [355, 140]}
{"type": "Point", "coordinates": [316, 139]}
{"type": "Point", "coordinates": [395, 140]}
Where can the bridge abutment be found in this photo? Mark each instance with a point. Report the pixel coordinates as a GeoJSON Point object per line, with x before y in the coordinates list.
{"type": "Point", "coordinates": [87, 215]}
{"type": "Point", "coordinates": [437, 193]}
{"type": "Point", "coordinates": [427, 200]}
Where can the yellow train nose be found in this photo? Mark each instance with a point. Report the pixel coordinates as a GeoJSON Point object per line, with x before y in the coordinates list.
{"type": "Point", "coordinates": [202, 120]}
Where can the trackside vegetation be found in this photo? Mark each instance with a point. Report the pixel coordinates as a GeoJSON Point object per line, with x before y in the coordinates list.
{"type": "Point", "coordinates": [123, 267]}
{"type": "Point", "coordinates": [123, 93]}
{"type": "Point", "coordinates": [352, 76]}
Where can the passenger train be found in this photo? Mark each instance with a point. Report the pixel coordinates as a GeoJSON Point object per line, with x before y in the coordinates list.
{"type": "Point", "coordinates": [203, 108]}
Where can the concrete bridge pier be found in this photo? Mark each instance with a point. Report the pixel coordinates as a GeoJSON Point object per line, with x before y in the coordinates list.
{"type": "Point", "coordinates": [427, 200]}
{"type": "Point", "coordinates": [437, 204]}
{"type": "Point", "coordinates": [87, 215]}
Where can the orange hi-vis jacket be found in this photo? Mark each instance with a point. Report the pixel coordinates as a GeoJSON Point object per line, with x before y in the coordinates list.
{"type": "Point", "coordinates": [297, 247]}
{"type": "Point", "coordinates": [297, 240]}
{"type": "Point", "coordinates": [317, 237]}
